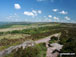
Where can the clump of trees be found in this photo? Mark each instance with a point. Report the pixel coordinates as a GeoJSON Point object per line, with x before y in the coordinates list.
{"type": "Point", "coordinates": [53, 39]}
{"type": "Point", "coordinates": [69, 41]}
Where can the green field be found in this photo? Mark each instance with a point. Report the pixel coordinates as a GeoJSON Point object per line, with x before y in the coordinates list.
{"type": "Point", "coordinates": [34, 32]}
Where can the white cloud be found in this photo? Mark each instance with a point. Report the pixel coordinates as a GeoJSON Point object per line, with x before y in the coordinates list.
{"type": "Point", "coordinates": [55, 10]}
{"type": "Point", "coordinates": [63, 12]}
{"type": "Point", "coordinates": [29, 13]}
{"type": "Point", "coordinates": [50, 16]}
{"type": "Point", "coordinates": [56, 18]}
{"type": "Point", "coordinates": [39, 11]}
{"type": "Point", "coordinates": [41, 0]}
{"type": "Point", "coordinates": [35, 12]}
{"type": "Point", "coordinates": [67, 18]}
{"type": "Point", "coordinates": [45, 0]}
{"type": "Point", "coordinates": [17, 6]}
{"type": "Point", "coordinates": [32, 13]}
{"type": "Point", "coordinates": [13, 17]}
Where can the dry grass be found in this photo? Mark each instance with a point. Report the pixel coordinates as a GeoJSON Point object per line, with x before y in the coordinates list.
{"type": "Point", "coordinates": [13, 36]}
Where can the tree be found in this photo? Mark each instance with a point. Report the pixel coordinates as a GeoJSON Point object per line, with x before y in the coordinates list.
{"type": "Point", "coordinates": [54, 38]}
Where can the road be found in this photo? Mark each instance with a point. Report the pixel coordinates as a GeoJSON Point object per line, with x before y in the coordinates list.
{"type": "Point", "coordinates": [46, 39]}
{"type": "Point", "coordinates": [8, 50]}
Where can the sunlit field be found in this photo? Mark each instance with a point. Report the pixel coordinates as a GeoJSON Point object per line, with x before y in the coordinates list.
{"type": "Point", "coordinates": [16, 37]}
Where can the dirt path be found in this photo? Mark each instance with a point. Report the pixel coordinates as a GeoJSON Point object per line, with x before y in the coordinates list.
{"type": "Point", "coordinates": [8, 50]}
{"type": "Point", "coordinates": [55, 46]}
{"type": "Point", "coordinates": [46, 39]}
{"type": "Point", "coordinates": [49, 52]}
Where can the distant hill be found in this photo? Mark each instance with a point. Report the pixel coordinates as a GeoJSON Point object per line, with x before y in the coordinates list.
{"type": "Point", "coordinates": [9, 24]}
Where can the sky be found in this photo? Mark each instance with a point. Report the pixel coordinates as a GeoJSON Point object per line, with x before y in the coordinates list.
{"type": "Point", "coordinates": [38, 11]}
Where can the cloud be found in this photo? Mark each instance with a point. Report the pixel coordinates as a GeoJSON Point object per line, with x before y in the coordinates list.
{"type": "Point", "coordinates": [49, 20]}
{"type": "Point", "coordinates": [55, 10]}
{"type": "Point", "coordinates": [44, 16]}
{"type": "Point", "coordinates": [35, 12]}
{"type": "Point", "coordinates": [67, 18]}
{"type": "Point", "coordinates": [13, 17]}
{"type": "Point", "coordinates": [56, 18]}
{"type": "Point", "coordinates": [41, 0]}
{"type": "Point", "coordinates": [45, 0]}
{"type": "Point", "coordinates": [63, 12]}
{"type": "Point", "coordinates": [50, 16]}
{"type": "Point", "coordinates": [17, 6]}
{"type": "Point", "coordinates": [15, 14]}
{"type": "Point", "coordinates": [39, 11]}
{"type": "Point", "coordinates": [32, 13]}
{"type": "Point", "coordinates": [29, 13]}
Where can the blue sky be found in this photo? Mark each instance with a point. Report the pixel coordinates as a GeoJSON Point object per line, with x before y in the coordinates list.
{"type": "Point", "coordinates": [38, 10]}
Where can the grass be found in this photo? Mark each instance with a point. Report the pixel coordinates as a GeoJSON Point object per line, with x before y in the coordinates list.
{"type": "Point", "coordinates": [9, 27]}
{"type": "Point", "coordinates": [43, 49]}
{"type": "Point", "coordinates": [7, 46]}
{"type": "Point", "coordinates": [13, 36]}
{"type": "Point", "coordinates": [17, 36]}
{"type": "Point", "coordinates": [17, 26]}
{"type": "Point", "coordinates": [39, 50]}
{"type": "Point", "coordinates": [53, 41]}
